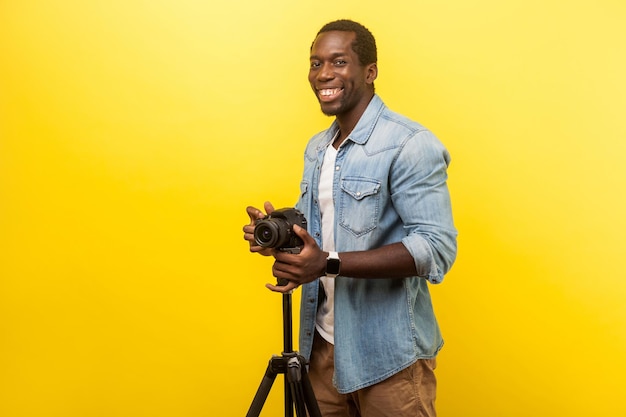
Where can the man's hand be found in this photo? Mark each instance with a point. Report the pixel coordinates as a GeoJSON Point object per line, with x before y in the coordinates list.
{"type": "Point", "coordinates": [296, 269]}
{"type": "Point", "coordinates": [300, 268]}
{"type": "Point", "coordinates": [248, 229]}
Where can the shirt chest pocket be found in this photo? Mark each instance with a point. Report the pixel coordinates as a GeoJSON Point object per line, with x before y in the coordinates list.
{"type": "Point", "coordinates": [360, 204]}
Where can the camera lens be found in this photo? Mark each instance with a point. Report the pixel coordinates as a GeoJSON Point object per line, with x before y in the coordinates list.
{"type": "Point", "coordinates": [276, 230]}
{"type": "Point", "coordinates": [267, 234]}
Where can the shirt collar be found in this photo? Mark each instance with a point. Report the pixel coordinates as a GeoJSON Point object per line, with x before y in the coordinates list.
{"type": "Point", "coordinates": [364, 127]}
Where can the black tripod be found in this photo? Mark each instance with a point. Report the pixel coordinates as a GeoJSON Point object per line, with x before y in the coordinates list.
{"type": "Point", "coordinates": [298, 390]}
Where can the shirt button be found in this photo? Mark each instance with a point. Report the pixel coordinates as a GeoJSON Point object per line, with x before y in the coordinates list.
{"type": "Point", "coordinates": [358, 193]}
{"type": "Point", "coordinates": [337, 168]}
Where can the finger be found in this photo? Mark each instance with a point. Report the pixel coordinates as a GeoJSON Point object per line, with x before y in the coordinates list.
{"type": "Point", "coordinates": [269, 208]}
{"type": "Point", "coordinates": [248, 233]}
{"type": "Point", "coordinates": [248, 229]}
{"type": "Point", "coordinates": [284, 289]}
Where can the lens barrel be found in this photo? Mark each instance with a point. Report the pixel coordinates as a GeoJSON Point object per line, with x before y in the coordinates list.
{"type": "Point", "coordinates": [271, 233]}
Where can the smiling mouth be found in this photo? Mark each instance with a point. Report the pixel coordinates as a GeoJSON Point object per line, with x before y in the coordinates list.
{"type": "Point", "coordinates": [328, 94]}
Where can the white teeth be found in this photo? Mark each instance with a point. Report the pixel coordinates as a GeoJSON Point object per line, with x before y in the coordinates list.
{"type": "Point", "coordinates": [329, 91]}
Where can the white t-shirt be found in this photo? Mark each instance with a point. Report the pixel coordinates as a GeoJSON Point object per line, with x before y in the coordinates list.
{"type": "Point", "coordinates": [325, 320]}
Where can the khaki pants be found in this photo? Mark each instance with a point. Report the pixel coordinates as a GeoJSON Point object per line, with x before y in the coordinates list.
{"type": "Point", "coordinates": [410, 392]}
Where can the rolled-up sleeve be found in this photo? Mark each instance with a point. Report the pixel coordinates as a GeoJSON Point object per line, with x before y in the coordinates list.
{"type": "Point", "coordinates": [421, 197]}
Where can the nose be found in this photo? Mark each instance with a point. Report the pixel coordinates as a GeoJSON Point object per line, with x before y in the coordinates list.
{"type": "Point", "coordinates": [326, 72]}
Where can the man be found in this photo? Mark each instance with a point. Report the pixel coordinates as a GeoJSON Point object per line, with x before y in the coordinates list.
{"type": "Point", "coordinates": [379, 229]}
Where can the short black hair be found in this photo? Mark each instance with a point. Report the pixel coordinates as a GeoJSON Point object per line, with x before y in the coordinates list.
{"type": "Point", "coordinates": [364, 44]}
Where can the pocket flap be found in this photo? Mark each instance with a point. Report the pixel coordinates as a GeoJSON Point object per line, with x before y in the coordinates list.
{"type": "Point", "coordinates": [360, 188]}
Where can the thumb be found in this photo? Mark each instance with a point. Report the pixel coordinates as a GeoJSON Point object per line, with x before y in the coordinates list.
{"type": "Point", "coordinates": [303, 234]}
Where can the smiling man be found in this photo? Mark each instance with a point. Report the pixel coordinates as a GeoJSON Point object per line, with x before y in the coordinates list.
{"type": "Point", "coordinates": [380, 231]}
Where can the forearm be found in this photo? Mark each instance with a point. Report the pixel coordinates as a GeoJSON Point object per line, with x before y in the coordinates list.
{"type": "Point", "coordinates": [389, 261]}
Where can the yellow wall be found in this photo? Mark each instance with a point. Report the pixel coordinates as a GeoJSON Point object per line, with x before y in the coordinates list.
{"type": "Point", "coordinates": [134, 133]}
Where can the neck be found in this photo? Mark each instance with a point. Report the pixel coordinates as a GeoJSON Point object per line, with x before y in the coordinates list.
{"type": "Point", "coordinates": [348, 121]}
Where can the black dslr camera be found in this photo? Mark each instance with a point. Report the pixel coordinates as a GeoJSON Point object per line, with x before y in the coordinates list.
{"type": "Point", "coordinates": [276, 230]}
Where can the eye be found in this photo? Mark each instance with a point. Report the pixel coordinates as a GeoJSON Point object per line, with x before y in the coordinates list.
{"type": "Point", "coordinates": [340, 62]}
{"type": "Point", "coordinates": [315, 64]}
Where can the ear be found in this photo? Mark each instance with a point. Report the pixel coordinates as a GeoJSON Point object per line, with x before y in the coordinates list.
{"type": "Point", "coordinates": [371, 73]}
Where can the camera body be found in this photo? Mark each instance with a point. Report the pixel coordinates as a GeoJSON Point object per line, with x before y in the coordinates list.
{"type": "Point", "coordinates": [276, 230]}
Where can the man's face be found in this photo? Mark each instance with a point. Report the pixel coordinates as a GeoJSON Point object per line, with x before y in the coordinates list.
{"type": "Point", "coordinates": [338, 79]}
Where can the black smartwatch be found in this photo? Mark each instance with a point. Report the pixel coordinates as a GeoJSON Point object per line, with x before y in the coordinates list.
{"type": "Point", "coordinates": [333, 264]}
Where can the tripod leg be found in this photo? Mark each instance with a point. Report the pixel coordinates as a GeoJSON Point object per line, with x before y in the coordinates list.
{"type": "Point", "coordinates": [298, 399]}
{"type": "Point", "coordinates": [262, 392]}
{"type": "Point", "coordinates": [309, 395]}
{"type": "Point", "coordinates": [294, 378]}
{"type": "Point", "coordinates": [290, 398]}
{"type": "Point", "coordinates": [301, 389]}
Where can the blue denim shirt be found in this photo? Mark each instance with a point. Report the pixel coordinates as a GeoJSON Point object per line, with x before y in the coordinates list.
{"type": "Point", "coordinates": [389, 186]}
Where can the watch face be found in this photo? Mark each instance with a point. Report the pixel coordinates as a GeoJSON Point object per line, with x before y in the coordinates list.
{"type": "Point", "coordinates": [332, 266]}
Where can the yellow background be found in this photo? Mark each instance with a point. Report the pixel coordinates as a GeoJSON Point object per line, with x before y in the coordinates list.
{"type": "Point", "coordinates": [134, 133]}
